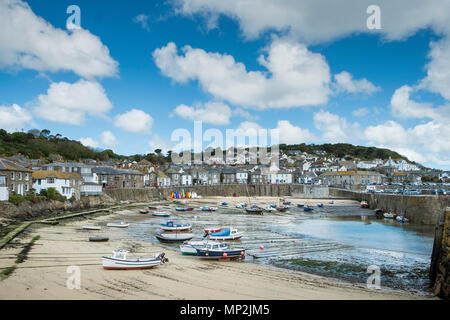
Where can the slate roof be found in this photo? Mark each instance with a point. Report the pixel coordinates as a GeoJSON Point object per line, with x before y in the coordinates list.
{"type": "Point", "coordinates": [12, 166]}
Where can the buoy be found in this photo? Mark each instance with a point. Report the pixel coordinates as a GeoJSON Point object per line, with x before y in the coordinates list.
{"type": "Point", "coordinates": [242, 253]}
{"type": "Point", "coordinates": [225, 254]}
{"type": "Point", "coordinates": [262, 248]}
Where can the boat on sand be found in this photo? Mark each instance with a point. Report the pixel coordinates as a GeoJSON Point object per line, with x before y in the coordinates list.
{"type": "Point", "coordinates": [119, 261]}
{"type": "Point", "coordinates": [174, 237]}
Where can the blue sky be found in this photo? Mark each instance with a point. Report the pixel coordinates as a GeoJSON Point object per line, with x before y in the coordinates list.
{"type": "Point", "coordinates": [319, 75]}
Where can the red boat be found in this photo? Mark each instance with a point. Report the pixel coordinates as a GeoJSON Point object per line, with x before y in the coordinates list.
{"type": "Point", "coordinates": [364, 204]}
{"type": "Point", "coordinates": [211, 230]}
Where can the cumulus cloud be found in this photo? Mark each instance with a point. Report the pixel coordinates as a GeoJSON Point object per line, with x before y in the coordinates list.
{"type": "Point", "coordinates": [89, 142]}
{"type": "Point", "coordinates": [136, 121]}
{"type": "Point", "coordinates": [212, 112]}
{"type": "Point", "coordinates": [335, 129]}
{"type": "Point", "coordinates": [28, 41]}
{"type": "Point", "coordinates": [14, 118]}
{"type": "Point", "coordinates": [344, 82]}
{"type": "Point", "coordinates": [320, 21]}
{"type": "Point", "coordinates": [70, 102]}
{"type": "Point", "coordinates": [291, 134]}
{"type": "Point", "coordinates": [108, 138]}
{"type": "Point", "coordinates": [361, 112]}
{"type": "Point", "coordinates": [142, 20]}
{"type": "Point", "coordinates": [295, 76]}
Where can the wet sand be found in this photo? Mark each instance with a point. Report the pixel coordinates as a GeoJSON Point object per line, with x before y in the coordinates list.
{"type": "Point", "coordinates": [44, 274]}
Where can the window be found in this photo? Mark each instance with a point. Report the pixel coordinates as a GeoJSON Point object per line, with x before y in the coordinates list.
{"type": "Point", "coordinates": [27, 177]}
{"type": "Point", "coordinates": [27, 187]}
{"type": "Point", "coordinates": [19, 176]}
{"type": "Point", "coordinates": [50, 180]}
{"type": "Point", "coordinates": [12, 187]}
{"type": "Point", "coordinates": [12, 175]}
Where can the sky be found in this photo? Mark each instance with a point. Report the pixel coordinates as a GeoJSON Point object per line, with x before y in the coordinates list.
{"type": "Point", "coordinates": [134, 73]}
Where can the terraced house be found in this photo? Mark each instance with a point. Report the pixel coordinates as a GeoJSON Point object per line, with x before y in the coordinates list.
{"type": "Point", "coordinates": [351, 178]}
{"type": "Point", "coordinates": [67, 184]}
{"type": "Point", "coordinates": [109, 177]}
{"type": "Point", "coordinates": [15, 178]}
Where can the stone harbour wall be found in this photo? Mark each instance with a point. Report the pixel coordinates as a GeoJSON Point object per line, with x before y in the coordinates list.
{"type": "Point", "coordinates": [440, 259]}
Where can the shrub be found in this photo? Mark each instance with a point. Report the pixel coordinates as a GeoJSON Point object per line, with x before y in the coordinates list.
{"type": "Point", "coordinates": [52, 194]}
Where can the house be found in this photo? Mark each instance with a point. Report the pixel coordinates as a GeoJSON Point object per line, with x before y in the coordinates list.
{"type": "Point", "coordinates": [67, 184]}
{"type": "Point", "coordinates": [186, 179]}
{"type": "Point", "coordinates": [255, 177]}
{"type": "Point", "coordinates": [307, 178]}
{"type": "Point", "coordinates": [162, 180]}
{"type": "Point", "coordinates": [213, 176]}
{"type": "Point", "coordinates": [4, 194]}
{"type": "Point", "coordinates": [109, 177]}
{"type": "Point", "coordinates": [228, 176]}
{"type": "Point", "coordinates": [353, 177]}
{"type": "Point", "coordinates": [91, 189]}
{"type": "Point", "coordinates": [199, 176]}
{"type": "Point", "coordinates": [241, 176]}
{"type": "Point", "coordinates": [15, 178]}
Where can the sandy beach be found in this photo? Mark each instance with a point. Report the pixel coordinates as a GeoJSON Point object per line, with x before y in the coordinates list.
{"type": "Point", "coordinates": [43, 275]}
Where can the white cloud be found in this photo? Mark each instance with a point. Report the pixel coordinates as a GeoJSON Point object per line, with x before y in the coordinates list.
{"type": "Point", "coordinates": [320, 21]}
{"type": "Point", "coordinates": [438, 69]}
{"type": "Point", "coordinates": [295, 76]}
{"type": "Point", "coordinates": [427, 143]}
{"type": "Point", "coordinates": [108, 138]}
{"type": "Point", "coordinates": [28, 41]}
{"type": "Point", "coordinates": [14, 118]}
{"type": "Point", "coordinates": [334, 128]}
{"type": "Point", "coordinates": [89, 142]}
{"type": "Point", "coordinates": [290, 134]}
{"type": "Point", "coordinates": [238, 112]}
{"type": "Point", "coordinates": [142, 20]}
{"type": "Point", "coordinates": [136, 121]}
{"type": "Point", "coordinates": [346, 83]}
{"type": "Point", "coordinates": [156, 142]}
{"type": "Point", "coordinates": [361, 112]}
{"type": "Point", "coordinates": [70, 102]}
{"type": "Point", "coordinates": [212, 112]}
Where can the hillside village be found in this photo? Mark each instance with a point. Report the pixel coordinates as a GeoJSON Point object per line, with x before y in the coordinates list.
{"type": "Point", "coordinates": [20, 176]}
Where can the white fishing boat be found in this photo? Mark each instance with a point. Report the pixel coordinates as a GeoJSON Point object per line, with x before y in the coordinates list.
{"type": "Point", "coordinates": [119, 261]}
{"type": "Point", "coordinates": [190, 247]}
{"type": "Point", "coordinates": [122, 224]}
{"type": "Point", "coordinates": [227, 234]}
{"type": "Point", "coordinates": [174, 237]}
{"type": "Point", "coordinates": [91, 228]}
{"type": "Point", "coordinates": [269, 209]}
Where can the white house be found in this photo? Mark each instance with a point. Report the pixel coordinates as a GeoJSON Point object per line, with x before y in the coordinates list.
{"type": "Point", "coordinates": [162, 180]}
{"type": "Point", "coordinates": [4, 194]}
{"type": "Point", "coordinates": [67, 184]}
{"type": "Point", "coordinates": [241, 177]}
{"type": "Point", "coordinates": [186, 179]}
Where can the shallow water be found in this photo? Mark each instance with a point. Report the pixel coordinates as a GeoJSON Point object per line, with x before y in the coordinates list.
{"type": "Point", "coordinates": [334, 241]}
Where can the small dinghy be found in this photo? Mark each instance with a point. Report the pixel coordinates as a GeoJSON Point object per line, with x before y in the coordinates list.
{"type": "Point", "coordinates": [172, 225]}
{"type": "Point", "coordinates": [254, 210]}
{"type": "Point", "coordinates": [98, 239]}
{"type": "Point", "coordinates": [119, 261]}
{"type": "Point", "coordinates": [320, 205]}
{"type": "Point", "coordinates": [300, 205]}
{"type": "Point", "coordinates": [122, 224]}
{"type": "Point", "coordinates": [174, 237]}
{"type": "Point", "coordinates": [91, 228]}
{"type": "Point", "coordinates": [208, 209]}
{"type": "Point", "coordinates": [224, 204]}
{"type": "Point", "coordinates": [161, 214]}
{"type": "Point", "coordinates": [190, 247]}
{"type": "Point", "coordinates": [143, 211]}
{"type": "Point", "coordinates": [227, 234]}
{"type": "Point", "coordinates": [308, 208]}
{"type": "Point", "coordinates": [401, 219]}
{"type": "Point", "coordinates": [331, 202]}
{"type": "Point", "coordinates": [241, 205]}
{"type": "Point", "coordinates": [269, 209]}
{"type": "Point", "coordinates": [213, 229]}
{"type": "Point", "coordinates": [152, 208]}
{"type": "Point", "coordinates": [364, 204]}
{"type": "Point", "coordinates": [184, 209]}
{"type": "Point", "coordinates": [217, 251]}
{"type": "Point", "coordinates": [388, 215]}
{"type": "Point", "coordinates": [282, 209]}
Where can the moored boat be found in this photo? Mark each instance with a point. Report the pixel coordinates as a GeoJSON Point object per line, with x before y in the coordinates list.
{"type": "Point", "coordinates": [254, 210]}
{"type": "Point", "coordinates": [119, 261]}
{"type": "Point", "coordinates": [388, 215]}
{"type": "Point", "coordinates": [174, 237]}
{"type": "Point", "coordinates": [161, 214]}
{"type": "Point", "coordinates": [320, 205]}
{"type": "Point", "coordinates": [224, 204]}
{"type": "Point", "coordinates": [308, 208]}
{"type": "Point", "coordinates": [153, 208]}
{"type": "Point", "coordinates": [184, 209]}
{"type": "Point", "coordinates": [217, 251]}
{"type": "Point", "coordinates": [241, 205]}
{"type": "Point", "coordinates": [227, 234]}
{"type": "Point", "coordinates": [143, 211]}
{"type": "Point", "coordinates": [91, 228]}
{"type": "Point", "coordinates": [364, 204]}
{"type": "Point", "coordinates": [172, 225]}
{"type": "Point", "coordinates": [98, 239]}
{"type": "Point", "coordinates": [122, 224]}
{"type": "Point", "coordinates": [300, 205]}
{"type": "Point", "coordinates": [190, 247]}
{"type": "Point", "coordinates": [269, 209]}
{"type": "Point", "coordinates": [213, 229]}
{"type": "Point", "coordinates": [282, 209]}
{"type": "Point", "coordinates": [208, 209]}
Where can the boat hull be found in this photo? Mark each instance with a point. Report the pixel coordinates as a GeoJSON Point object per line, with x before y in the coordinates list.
{"type": "Point", "coordinates": [174, 237]}
{"type": "Point", "coordinates": [233, 237]}
{"type": "Point", "coordinates": [176, 229]}
{"type": "Point", "coordinates": [118, 225]}
{"type": "Point", "coordinates": [119, 264]}
{"type": "Point", "coordinates": [216, 255]}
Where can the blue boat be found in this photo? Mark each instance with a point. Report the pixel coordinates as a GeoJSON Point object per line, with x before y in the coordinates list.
{"type": "Point", "coordinates": [308, 208]}
{"type": "Point", "coordinates": [273, 205]}
{"type": "Point", "coordinates": [320, 205]}
{"type": "Point", "coordinates": [217, 250]}
{"type": "Point", "coordinates": [300, 205]}
{"type": "Point", "coordinates": [227, 234]}
{"type": "Point", "coordinates": [224, 203]}
{"type": "Point", "coordinates": [160, 214]}
{"type": "Point", "coordinates": [174, 226]}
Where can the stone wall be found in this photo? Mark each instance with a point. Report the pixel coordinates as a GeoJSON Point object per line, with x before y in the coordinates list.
{"type": "Point", "coordinates": [421, 209]}
{"type": "Point", "coordinates": [440, 259]}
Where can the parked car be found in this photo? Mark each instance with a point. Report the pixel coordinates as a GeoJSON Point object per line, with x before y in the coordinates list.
{"type": "Point", "coordinates": [440, 191]}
